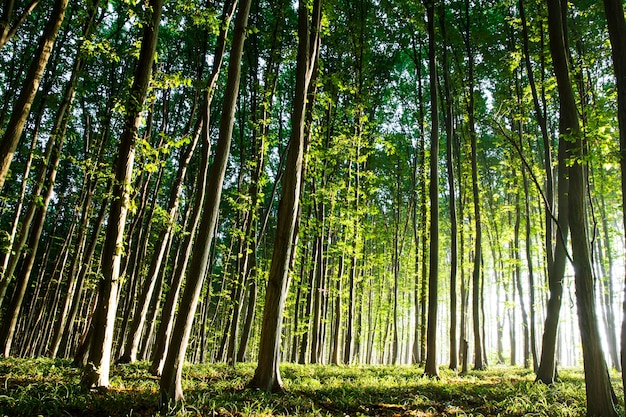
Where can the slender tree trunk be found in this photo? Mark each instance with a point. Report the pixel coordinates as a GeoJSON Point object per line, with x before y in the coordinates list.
{"type": "Point", "coordinates": [267, 375]}
{"type": "Point", "coordinates": [476, 274]}
{"type": "Point", "coordinates": [21, 110]}
{"type": "Point", "coordinates": [452, 196]}
{"type": "Point", "coordinates": [96, 373]}
{"type": "Point", "coordinates": [617, 33]}
{"type": "Point", "coordinates": [348, 351]}
{"type": "Point", "coordinates": [304, 342]}
{"type": "Point", "coordinates": [531, 275]}
{"type": "Point", "coordinates": [335, 355]}
{"type": "Point", "coordinates": [8, 30]}
{"type": "Point", "coordinates": [171, 380]}
{"type": "Point", "coordinates": [600, 395]}
{"type": "Point", "coordinates": [431, 369]}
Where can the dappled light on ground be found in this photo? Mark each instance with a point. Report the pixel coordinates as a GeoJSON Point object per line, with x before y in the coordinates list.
{"type": "Point", "coordinates": [50, 388]}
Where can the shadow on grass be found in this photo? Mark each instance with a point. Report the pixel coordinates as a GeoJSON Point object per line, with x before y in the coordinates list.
{"type": "Point", "coordinates": [51, 388]}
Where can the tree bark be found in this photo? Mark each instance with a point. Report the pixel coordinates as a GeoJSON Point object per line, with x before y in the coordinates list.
{"type": "Point", "coordinates": [8, 30]}
{"type": "Point", "coordinates": [476, 274]}
{"type": "Point", "coordinates": [431, 368]}
{"type": "Point", "coordinates": [600, 395]}
{"type": "Point", "coordinates": [96, 373]}
{"type": "Point", "coordinates": [617, 33]}
{"type": "Point", "coordinates": [21, 110]}
{"type": "Point", "coordinates": [171, 380]}
{"type": "Point", "coordinates": [267, 375]}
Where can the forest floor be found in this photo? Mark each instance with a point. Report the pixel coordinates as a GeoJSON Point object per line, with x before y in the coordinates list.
{"type": "Point", "coordinates": [33, 387]}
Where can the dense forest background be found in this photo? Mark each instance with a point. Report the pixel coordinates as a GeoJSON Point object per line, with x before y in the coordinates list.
{"type": "Point", "coordinates": [153, 150]}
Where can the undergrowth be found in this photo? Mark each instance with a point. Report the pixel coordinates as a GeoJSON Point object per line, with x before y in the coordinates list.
{"type": "Point", "coordinates": [34, 387]}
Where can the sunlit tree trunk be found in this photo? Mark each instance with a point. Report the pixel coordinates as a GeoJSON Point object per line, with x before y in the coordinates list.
{"type": "Point", "coordinates": [21, 110]}
{"type": "Point", "coordinates": [449, 122]}
{"type": "Point", "coordinates": [600, 395]}
{"type": "Point", "coordinates": [267, 375]}
{"type": "Point", "coordinates": [162, 338]}
{"type": "Point", "coordinates": [171, 380]}
{"type": "Point", "coordinates": [617, 33]}
{"type": "Point", "coordinates": [8, 29]}
{"type": "Point", "coordinates": [96, 373]}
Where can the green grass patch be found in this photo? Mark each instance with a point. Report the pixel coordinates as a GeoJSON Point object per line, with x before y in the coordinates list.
{"type": "Point", "coordinates": [33, 387]}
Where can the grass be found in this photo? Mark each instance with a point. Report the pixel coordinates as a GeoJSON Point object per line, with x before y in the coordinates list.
{"type": "Point", "coordinates": [33, 387]}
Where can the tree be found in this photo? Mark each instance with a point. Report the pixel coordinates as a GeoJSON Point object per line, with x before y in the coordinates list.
{"type": "Point", "coordinates": [597, 383]}
{"type": "Point", "coordinates": [21, 110]}
{"type": "Point", "coordinates": [171, 380]}
{"type": "Point", "coordinates": [431, 368]}
{"type": "Point", "coordinates": [450, 134]}
{"type": "Point", "coordinates": [557, 258]}
{"type": "Point", "coordinates": [8, 29]}
{"type": "Point", "coordinates": [96, 373]}
{"type": "Point", "coordinates": [479, 362]}
{"type": "Point", "coordinates": [617, 32]}
{"type": "Point", "coordinates": [267, 374]}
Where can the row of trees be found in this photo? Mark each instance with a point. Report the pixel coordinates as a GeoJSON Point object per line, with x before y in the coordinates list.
{"type": "Point", "coordinates": [430, 177]}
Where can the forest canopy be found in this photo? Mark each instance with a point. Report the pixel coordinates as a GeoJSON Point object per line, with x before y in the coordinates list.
{"type": "Point", "coordinates": [322, 181]}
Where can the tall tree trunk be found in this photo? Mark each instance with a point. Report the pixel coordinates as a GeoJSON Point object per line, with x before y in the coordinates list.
{"type": "Point", "coordinates": [154, 272]}
{"type": "Point", "coordinates": [556, 258]}
{"type": "Point", "coordinates": [8, 30]}
{"type": "Point", "coordinates": [162, 338]}
{"type": "Point", "coordinates": [21, 110]}
{"type": "Point", "coordinates": [600, 395]}
{"type": "Point", "coordinates": [452, 195]}
{"type": "Point", "coordinates": [476, 274]}
{"type": "Point", "coordinates": [267, 375]}
{"type": "Point", "coordinates": [431, 369]}
{"type": "Point", "coordinates": [171, 380]}
{"type": "Point", "coordinates": [96, 373]}
{"type": "Point", "coordinates": [617, 33]}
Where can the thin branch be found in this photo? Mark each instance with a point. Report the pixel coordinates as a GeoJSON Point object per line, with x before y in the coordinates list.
{"type": "Point", "coordinates": [535, 181]}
